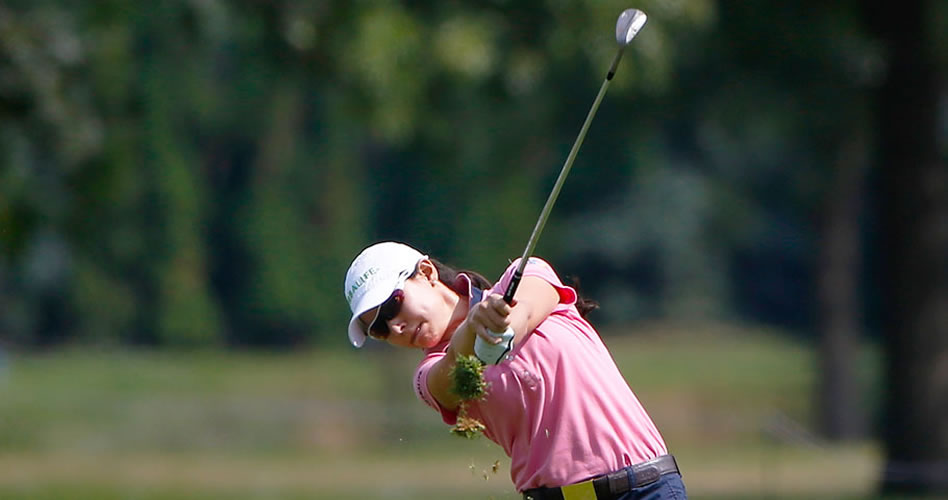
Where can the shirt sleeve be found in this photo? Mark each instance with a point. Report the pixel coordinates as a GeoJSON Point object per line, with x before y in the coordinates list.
{"type": "Point", "coordinates": [421, 383]}
{"type": "Point", "coordinates": [541, 269]}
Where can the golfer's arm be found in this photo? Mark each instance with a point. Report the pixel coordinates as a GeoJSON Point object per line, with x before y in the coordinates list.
{"type": "Point", "coordinates": [535, 300]}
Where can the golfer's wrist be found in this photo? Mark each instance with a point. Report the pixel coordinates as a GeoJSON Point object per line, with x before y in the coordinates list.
{"type": "Point", "coordinates": [462, 342]}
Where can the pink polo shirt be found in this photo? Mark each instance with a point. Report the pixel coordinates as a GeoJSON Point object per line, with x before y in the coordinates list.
{"type": "Point", "coordinates": [558, 405]}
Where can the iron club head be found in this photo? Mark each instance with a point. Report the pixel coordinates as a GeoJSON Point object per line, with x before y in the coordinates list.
{"type": "Point", "coordinates": [628, 25]}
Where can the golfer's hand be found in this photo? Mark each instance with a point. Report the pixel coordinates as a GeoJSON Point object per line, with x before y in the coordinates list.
{"type": "Point", "coordinates": [490, 315]}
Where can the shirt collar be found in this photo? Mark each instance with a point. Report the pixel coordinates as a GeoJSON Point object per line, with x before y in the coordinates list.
{"type": "Point", "coordinates": [464, 287]}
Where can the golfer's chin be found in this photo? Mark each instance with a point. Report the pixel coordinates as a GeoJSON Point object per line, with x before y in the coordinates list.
{"type": "Point", "coordinates": [426, 336]}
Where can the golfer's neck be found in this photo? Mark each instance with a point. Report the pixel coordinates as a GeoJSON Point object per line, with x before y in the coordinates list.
{"type": "Point", "coordinates": [460, 306]}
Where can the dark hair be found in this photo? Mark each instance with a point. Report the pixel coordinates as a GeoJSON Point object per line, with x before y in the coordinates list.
{"type": "Point", "coordinates": [448, 275]}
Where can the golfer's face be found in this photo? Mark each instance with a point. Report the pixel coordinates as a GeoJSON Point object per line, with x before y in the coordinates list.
{"type": "Point", "coordinates": [423, 317]}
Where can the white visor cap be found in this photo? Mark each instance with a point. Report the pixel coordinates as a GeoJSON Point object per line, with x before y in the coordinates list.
{"type": "Point", "coordinates": [372, 278]}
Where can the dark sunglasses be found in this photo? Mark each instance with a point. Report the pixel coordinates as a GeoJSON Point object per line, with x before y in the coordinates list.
{"type": "Point", "coordinates": [388, 310]}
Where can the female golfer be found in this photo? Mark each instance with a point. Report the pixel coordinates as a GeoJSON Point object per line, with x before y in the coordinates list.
{"type": "Point", "coordinates": [557, 403]}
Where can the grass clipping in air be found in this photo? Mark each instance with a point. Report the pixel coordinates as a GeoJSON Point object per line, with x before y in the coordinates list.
{"type": "Point", "coordinates": [469, 385]}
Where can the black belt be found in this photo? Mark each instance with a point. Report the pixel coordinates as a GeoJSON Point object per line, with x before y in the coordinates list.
{"type": "Point", "coordinates": [609, 486]}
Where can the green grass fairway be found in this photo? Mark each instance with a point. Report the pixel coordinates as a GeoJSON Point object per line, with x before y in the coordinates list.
{"type": "Point", "coordinates": [734, 406]}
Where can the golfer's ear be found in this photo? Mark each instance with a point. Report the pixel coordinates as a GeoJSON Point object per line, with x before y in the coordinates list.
{"type": "Point", "coordinates": [428, 270]}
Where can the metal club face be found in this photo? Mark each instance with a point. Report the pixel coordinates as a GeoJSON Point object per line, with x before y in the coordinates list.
{"type": "Point", "coordinates": [628, 25]}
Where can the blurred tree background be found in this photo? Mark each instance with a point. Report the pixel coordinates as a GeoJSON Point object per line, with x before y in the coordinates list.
{"type": "Point", "coordinates": [199, 173]}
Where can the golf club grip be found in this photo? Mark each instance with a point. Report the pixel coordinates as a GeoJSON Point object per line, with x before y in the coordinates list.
{"type": "Point", "coordinates": [492, 354]}
{"type": "Point", "coordinates": [514, 283]}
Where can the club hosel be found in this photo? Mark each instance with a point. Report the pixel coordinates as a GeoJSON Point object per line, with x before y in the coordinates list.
{"type": "Point", "coordinates": [615, 63]}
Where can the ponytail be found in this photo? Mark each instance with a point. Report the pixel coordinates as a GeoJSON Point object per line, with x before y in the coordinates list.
{"type": "Point", "coordinates": [584, 305]}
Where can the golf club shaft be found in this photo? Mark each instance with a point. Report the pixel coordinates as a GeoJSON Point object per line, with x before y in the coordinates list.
{"type": "Point", "coordinates": [548, 207]}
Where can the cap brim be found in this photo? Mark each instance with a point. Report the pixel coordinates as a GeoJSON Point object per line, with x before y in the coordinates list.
{"type": "Point", "coordinates": [356, 334]}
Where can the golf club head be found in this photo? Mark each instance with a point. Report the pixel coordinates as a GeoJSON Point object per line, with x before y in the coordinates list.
{"type": "Point", "coordinates": [628, 25]}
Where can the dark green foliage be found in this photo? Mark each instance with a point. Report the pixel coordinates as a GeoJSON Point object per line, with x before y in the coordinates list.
{"type": "Point", "coordinates": [192, 175]}
{"type": "Point", "coordinates": [198, 175]}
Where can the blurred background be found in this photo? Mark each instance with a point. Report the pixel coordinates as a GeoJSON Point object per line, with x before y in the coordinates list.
{"type": "Point", "coordinates": [760, 207]}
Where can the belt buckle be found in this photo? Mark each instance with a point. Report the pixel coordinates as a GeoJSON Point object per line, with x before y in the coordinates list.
{"type": "Point", "coordinates": [579, 491]}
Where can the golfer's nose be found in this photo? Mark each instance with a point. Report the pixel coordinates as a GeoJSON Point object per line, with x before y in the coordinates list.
{"type": "Point", "coordinates": [396, 326]}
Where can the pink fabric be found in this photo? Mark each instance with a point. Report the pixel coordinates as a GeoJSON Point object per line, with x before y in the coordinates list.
{"type": "Point", "coordinates": [559, 406]}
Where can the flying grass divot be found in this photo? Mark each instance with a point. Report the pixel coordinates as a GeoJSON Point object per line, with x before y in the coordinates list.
{"type": "Point", "coordinates": [469, 385]}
